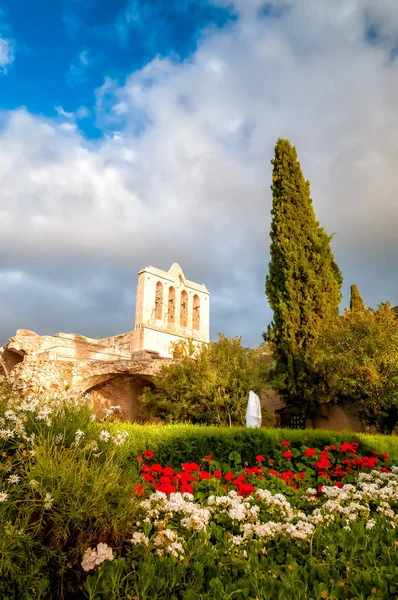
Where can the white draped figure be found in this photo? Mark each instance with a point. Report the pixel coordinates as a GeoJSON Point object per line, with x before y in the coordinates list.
{"type": "Point", "coordinates": [253, 411]}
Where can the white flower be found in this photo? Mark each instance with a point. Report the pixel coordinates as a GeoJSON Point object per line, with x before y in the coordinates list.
{"type": "Point", "coordinates": [5, 434]}
{"type": "Point", "coordinates": [119, 439]}
{"type": "Point", "coordinates": [3, 496]}
{"type": "Point", "coordinates": [139, 538]}
{"type": "Point", "coordinates": [370, 524]}
{"type": "Point", "coordinates": [104, 435]}
{"type": "Point", "coordinates": [95, 557]}
{"type": "Point", "coordinates": [33, 483]}
{"type": "Point", "coordinates": [48, 501]}
{"type": "Point", "coordinates": [14, 479]}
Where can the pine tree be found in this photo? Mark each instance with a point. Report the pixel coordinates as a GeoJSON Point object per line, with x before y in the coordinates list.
{"type": "Point", "coordinates": [356, 302]}
{"type": "Point", "coordinates": [303, 285]}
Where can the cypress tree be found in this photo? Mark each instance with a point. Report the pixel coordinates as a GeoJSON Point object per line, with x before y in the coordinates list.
{"type": "Point", "coordinates": [356, 302]}
{"type": "Point", "coordinates": [303, 285]}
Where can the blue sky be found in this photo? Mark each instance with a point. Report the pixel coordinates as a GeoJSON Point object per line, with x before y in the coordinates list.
{"type": "Point", "coordinates": [140, 132]}
{"type": "Point", "coordinates": [64, 48]}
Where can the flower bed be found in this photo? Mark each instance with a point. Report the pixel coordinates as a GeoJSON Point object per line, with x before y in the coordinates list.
{"type": "Point", "coordinates": [287, 515]}
{"type": "Point", "coordinates": [298, 468]}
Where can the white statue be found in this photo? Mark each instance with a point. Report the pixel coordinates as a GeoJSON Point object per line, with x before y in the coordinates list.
{"type": "Point", "coordinates": [253, 411]}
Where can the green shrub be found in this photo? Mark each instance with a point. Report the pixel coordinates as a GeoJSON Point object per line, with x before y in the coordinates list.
{"type": "Point", "coordinates": [175, 444]}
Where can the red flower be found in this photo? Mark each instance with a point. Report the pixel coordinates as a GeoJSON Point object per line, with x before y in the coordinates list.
{"type": "Point", "coordinates": [301, 475]}
{"type": "Point", "coordinates": [338, 484]}
{"type": "Point", "coordinates": [185, 487]}
{"type": "Point", "coordinates": [273, 472]}
{"type": "Point", "coordinates": [294, 487]}
{"type": "Point", "coordinates": [374, 452]}
{"type": "Point", "coordinates": [271, 461]}
{"type": "Point", "coordinates": [166, 488]}
{"type": "Point", "coordinates": [252, 470]}
{"type": "Point", "coordinates": [346, 447]}
{"type": "Point", "coordinates": [229, 476]}
{"type": "Point", "coordinates": [164, 480]}
{"type": "Point", "coordinates": [385, 470]}
{"type": "Point", "coordinates": [260, 458]}
{"type": "Point", "coordinates": [156, 468]}
{"type": "Point", "coordinates": [148, 478]}
{"type": "Point", "coordinates": [384, 456]}
{"type": "Point", "coordinates": [139, 458]}
{"type": "Point", "coordinates": [287, 475]}
{"type": "Point", "coordinates": [205, 475]}
{"type": "Point", "coordinates": [208, 458]}
{"type": "Point", "coordinates": [260, 476]}
{"type": "Point", "coordinates": [310, 452]}
{"type": "Point", "coordinates": [217, 474]}
{"type": "Point", "coordinates": [190, 467]}
{"type": "Point", "coordinates": [245, 489]}
{"type": "Point", "coordinates": [320, 489]}
{"type": "Point", "coordinates": [139, 490]}
{"type": "Point", "coordinates": [287, 455]}
{"type": "Point", "coordinates": [168, 471]}
{"type": "Point", "coordinates": [323, 463]}
{"type": "Point", "coordinates": [145, 469]}
{"type": "Point", "coordinates": [149, 454]}
{"type": "Point", "coordinates": [332, 447]}
{"type": "Point", "coordinates": [285, 443]}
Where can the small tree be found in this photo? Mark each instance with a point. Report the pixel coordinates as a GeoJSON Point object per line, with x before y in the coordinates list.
{"type": "Point", "coordinates": [209, 385]}
{"type": "Point", "coordinates": [303, 284]}
{"type": "Point", "coordinates": [361, 362]}
{"type": "Point", "coordinates": [356, 302]}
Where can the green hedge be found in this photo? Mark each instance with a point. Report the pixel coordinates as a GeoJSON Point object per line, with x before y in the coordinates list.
{"type": "Point", "coordinates": [175, 444]}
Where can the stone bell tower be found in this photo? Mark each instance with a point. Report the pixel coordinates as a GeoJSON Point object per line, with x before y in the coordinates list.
{"type": "Point", "coordinates": [169, 308]}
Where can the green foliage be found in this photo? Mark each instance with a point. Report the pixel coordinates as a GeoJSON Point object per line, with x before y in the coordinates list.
{"type": "Point", "coordinates": [93, 500]}
{"type": "Point", "coordinates": [339, 564]}
{"type": "Point", "coordinates": [361, 362]}
{"type": "Point", "coordinates": [209, 385]}
{"type": "Point", "coordinates": [356, 302]}
{"type": "Point", "coordinates": [175, 444]}
{"type": "Point", "coordinates": [303, 284]}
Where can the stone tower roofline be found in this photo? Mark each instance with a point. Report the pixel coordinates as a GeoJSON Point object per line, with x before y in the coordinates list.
{"type": "Point", "coordinates": [175, 271]}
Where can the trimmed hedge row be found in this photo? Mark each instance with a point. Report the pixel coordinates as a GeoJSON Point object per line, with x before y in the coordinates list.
{"type": "Point", "coordinates": [175, 444]}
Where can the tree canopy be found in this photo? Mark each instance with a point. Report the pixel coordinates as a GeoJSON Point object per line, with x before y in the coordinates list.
{"type": "Point", "coordinates": [303, 284]}
{"type": "Point", "coordinates": [361, 363]}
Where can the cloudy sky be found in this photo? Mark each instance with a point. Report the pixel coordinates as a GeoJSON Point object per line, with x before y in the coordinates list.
{"type": "Point", "coordinates": [139, 132]}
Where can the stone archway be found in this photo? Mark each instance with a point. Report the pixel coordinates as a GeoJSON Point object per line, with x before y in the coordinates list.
{"type": "Point", "coordinates": [11, 359]}
{"type": "Point", "coordinates": [123, 391]}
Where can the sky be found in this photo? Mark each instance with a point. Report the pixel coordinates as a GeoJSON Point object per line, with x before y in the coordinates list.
{"type": "Point", "coordinates": [140, 132]}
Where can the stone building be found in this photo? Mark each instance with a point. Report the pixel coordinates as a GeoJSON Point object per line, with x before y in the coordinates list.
{"type": "Point", "coordinates": [113, 370]}
{"type": "Point", "coordinates": [169, 308]}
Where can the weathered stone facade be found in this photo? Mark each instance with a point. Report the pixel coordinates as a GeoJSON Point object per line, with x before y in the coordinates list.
{"type": "Point", "coordinates": [169, 308]}
{"type": "Point", "coordinates": [113, 370]}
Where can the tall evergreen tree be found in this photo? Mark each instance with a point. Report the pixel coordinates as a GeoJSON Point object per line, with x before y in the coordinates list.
{"type": "Point", "coordinates": [303, 285]}
{"type": "Point", "coordinates": [356, 302]}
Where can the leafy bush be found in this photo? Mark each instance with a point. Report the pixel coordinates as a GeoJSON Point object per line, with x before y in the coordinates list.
{"type": "Point", "coordinates": [209, 385]}
{"type": "Point", "coordinates": [360, 359]}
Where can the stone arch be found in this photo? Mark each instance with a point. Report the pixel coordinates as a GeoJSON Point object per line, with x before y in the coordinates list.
{"type": "Point", "coordinates": [120, 390]}
{"type": "Point", "coordinates": [184, 309]}
{"type": "Point", "coordinates": [159, 301]}
{"type": "Point", "coordinates": [11, 359]}
{"type": "Point", "coordinates": [196, 313]}
{"type": "Point", "coordinates": [171, 312]}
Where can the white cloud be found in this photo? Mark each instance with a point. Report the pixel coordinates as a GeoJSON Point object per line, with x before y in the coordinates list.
{"type": "Point", "coordinates": [183, 173]}
{"type": "Point", "coordinates": [6, 54]}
